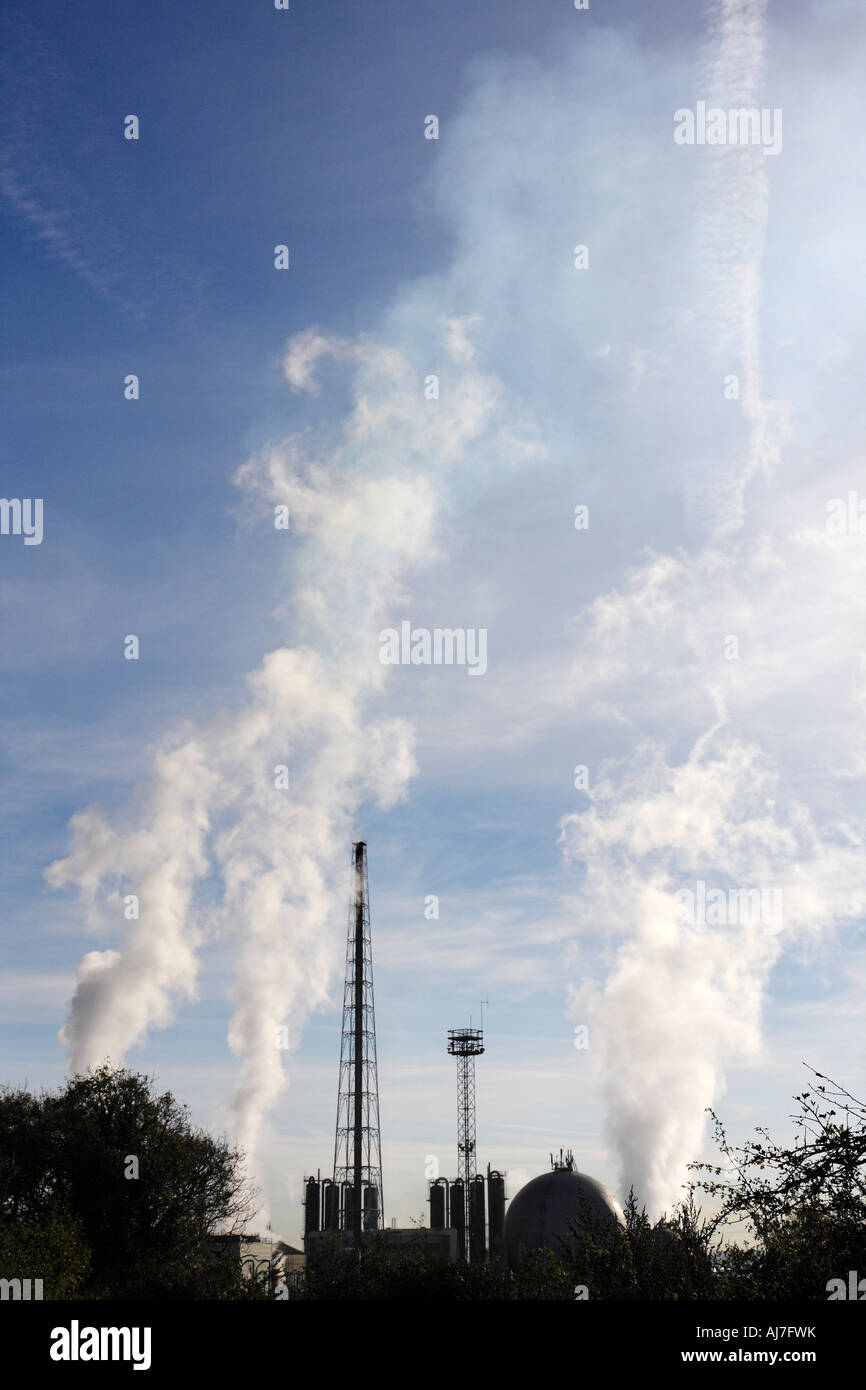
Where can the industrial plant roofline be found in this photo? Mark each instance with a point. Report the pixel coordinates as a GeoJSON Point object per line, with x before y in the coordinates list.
{"type": "Point", "coordinates": [465, 1042]}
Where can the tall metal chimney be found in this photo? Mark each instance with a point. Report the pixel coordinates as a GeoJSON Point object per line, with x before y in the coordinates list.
{"type": "Point", "coordinates": [357, 1148]}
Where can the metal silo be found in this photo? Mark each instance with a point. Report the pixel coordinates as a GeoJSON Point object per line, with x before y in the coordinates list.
{"type": "Point", "coordinates": [477, 1244]}
{"type": "Point", "coordinates": [496, 1214]}
{"type": "Point", "coordinates": [348, 1207]}
{"type": "Point", "coordinates": [458, 1215]}
{"type": "Point", "coordinates": [371, 1208]}
{"type": "Point", "coordinates": [330, 1205]}
{"type": "Point", "coordinates": [311, 1206]}
{"type": "Point", "coordinates": [439, 1204]}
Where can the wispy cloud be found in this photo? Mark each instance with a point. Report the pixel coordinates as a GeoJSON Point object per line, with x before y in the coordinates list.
{"type": "Point", "coordinates": [64, 186]}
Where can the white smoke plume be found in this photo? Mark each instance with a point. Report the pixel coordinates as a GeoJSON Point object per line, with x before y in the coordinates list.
{"type": "Point", "coordinates": [683, 997]}
{"type": "Point", "coordinates": [662, 656]}
{"type": "Point", "coordinates": [365, 508]}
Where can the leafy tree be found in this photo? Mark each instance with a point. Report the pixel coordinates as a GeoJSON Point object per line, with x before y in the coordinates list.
{"type": "Point", "coordinates": [53, 1250]}
{"type": "Point", "coordinates": [371, 1273]}
{"type": "Point", "coordinates": [672, 1259]}
{"type": "Point", "coordinates": [128, 1183]}
{"type": "Point", "coordinates": [414, 1273]}
{"type": "Point", "coordinates": [803, 1207]}
{"type": "Point", "coordinates": [544, 1276]}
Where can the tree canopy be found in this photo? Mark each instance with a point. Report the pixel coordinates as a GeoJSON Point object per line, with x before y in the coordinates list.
{"type": "Point", "coordinates": [107, 1188]}
{"type": "Point", "coordinates": [801, 1205]}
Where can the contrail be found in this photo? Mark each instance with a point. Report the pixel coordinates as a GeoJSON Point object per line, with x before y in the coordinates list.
{"type": "Point", "coordinates": [731, 227]}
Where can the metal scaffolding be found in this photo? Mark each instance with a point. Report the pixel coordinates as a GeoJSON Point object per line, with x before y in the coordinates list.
{"type": "Point", "coordinates": [466, 1044]}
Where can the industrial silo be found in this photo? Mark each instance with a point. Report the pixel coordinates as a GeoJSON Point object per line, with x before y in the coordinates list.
{"type": "Point", "coordinates": [477, 1244]}
{"type": "Point", "coordinates": [311, 1206]}
{"type": "Point", "coordinates": [496, 1214]}
{"type": "Point", "coordinates": [458, 1216]}
{"type": "Point", "coordinates": [439, 1204]}
{"type": "Point", "coordinates": [330, 1205]}
{"type": "Point", "coordinates": [371, 1208]}
{"type": "Point", "coordinates": [347, 1206]}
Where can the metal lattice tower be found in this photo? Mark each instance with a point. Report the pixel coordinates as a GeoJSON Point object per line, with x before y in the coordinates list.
{"type": "Point", "coordinates": [357, 1148]}
{"type": "Point", "coordinates": [466, 1044]}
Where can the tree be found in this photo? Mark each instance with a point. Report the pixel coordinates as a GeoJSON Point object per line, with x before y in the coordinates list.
{"type": "Point", "coordinates": [671, 1259]}
{"type": "Point", "coordinates": [803, 1207]}
{"type": "Point", "coordinates": [52, 1249]}
{"type": "Point", "coordinates": [415, 1274]}
{"type": "Point", "coordinates": [128, 1184]}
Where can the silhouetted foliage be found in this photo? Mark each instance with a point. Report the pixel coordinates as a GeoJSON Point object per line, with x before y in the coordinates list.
{"type": "Point", "coordinates": [414, 1273]}
{"type": "Point", "coordinates": [802, 1207]}
{"type": "Point", "coordinates": [52, 1249]}
{"type": "Point", "coordinates": [671, 1259]}
{"type": "Point", "coordinates": [66, 1199]}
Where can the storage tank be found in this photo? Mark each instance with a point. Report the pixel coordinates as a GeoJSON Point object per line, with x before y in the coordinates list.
{"type": "Point", "coordinates": [330, 1205]}
{"type": "Point", "coordinates": [371, 1208]}
{"type": "Point", "coordinates": [556, 1210]}
{"type": "Point", "coordinates": [347, 1204]}
{"type": "Point", "coordinates": [458, 1216]}
{"type": "Point", "coordinates": [477, 1244]}
{"type": "Point", "coordinates": [496, 1215]}
{"type": "Point", "coordinates": [311, 1206]}
{"type": "Point", "coordinates": [439, 1204]}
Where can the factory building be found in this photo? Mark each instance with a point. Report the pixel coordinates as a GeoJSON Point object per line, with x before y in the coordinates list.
{"type": "Point", "coordinates": [348, 1208]}
{"type": "Point", "coordinates": [257, 1255]}
{"type": "Point", "coordinates": [468, 1220]}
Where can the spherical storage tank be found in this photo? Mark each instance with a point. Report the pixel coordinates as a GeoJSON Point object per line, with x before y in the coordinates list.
{"type": "Point", "coordinates": [545, 1210]}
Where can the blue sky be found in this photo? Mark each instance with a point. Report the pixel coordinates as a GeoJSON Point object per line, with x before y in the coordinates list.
{"type": "Point", "coordinates": [558, 387]}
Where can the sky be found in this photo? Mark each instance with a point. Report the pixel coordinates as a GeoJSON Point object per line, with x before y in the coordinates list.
{"type": "Point", "coordinates": [555, 375]}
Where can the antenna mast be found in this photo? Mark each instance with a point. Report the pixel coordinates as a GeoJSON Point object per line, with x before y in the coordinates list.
{"type": "Point", "coordinates": [466, 1044]}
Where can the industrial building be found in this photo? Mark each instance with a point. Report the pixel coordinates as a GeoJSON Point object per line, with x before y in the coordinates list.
{"type": "Point", "coordinates": [468, 1220]}
{"type": "Point", "coordinates": [257, 1255]}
